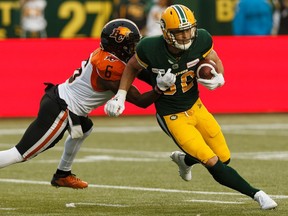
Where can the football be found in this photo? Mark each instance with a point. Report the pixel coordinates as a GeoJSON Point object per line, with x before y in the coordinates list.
{"type": "Point", "coordinates": [204, 68]}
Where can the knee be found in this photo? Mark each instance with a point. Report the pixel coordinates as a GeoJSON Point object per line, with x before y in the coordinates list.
{"type": "Point", "coordinates": [211, 162]}
{"type": "Point", "coordinates": [86, 124]}
{"type": "Point", "coordinates": [86, 134]}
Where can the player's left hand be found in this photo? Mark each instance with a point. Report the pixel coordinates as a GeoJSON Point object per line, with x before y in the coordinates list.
{"type": "Point", "coordinates": [166, 81]}
{"type": "Point", "coordinates": [116, 105]}
{"type": "Point", "coordinates": [215, 82]}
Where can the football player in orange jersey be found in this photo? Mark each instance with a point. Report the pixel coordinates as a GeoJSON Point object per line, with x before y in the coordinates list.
{"type": "Point", "coordinates": [67, 105]}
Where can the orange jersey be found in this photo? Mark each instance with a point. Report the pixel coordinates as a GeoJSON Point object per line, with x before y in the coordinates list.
{"type": "Point", "coordinates": [81, 92]}
{"type": "Point", "coordinates": [106, 65]}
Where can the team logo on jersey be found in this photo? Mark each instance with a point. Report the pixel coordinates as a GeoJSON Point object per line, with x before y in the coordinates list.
{"type": "Point", "coordinates": [175, 66]}
{"type": "Point", "coordinates": [111, 58]}
{"type": "Point", "coordinates": [120, 33]}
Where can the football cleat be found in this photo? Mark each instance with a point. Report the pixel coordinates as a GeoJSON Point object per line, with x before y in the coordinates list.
{"type": "Point", "coordinates": [68, 181]}
{"type": "Point", "coordinates": [184, 170]}
{"type": "Point", "coordinates": [264, 200]}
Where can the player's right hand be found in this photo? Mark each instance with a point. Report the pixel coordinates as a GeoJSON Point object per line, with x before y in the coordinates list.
{"type": "Point", "coordinates": [166, 81]}
{"type": "Point", "coordinates": [116, 105]}
{"type": "Point", "coordinates": [215, 82]}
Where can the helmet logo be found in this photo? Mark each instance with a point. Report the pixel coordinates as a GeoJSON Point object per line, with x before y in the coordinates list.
{"type": "Point", "coordinates": [120, 33]}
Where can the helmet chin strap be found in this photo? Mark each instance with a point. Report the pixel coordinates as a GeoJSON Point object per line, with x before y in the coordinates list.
{"type": "Point", "coordinates": [178, 45]}
{"type": "Point", "coordinates": [183, 46]}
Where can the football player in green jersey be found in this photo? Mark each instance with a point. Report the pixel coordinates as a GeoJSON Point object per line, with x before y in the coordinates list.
{"type": "Point", "coordinates": [180, 112]}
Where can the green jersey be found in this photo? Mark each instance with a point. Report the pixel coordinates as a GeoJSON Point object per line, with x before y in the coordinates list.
{"type": "Point", "coordinates": [152, 53]}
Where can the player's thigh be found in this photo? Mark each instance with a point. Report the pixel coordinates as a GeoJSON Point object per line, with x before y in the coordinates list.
{"type": "Point", "coordinates": [212, 134]}
{"type": "Point", "coordinates": [182, 130]}
{"type": "Point", "coordinates": [45, 131]}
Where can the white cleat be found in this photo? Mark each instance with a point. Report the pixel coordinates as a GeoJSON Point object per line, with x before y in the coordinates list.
{"type": "Point", "coordinates": [264, 200]}
{"type": "Point", "coordinates": [184, 170]}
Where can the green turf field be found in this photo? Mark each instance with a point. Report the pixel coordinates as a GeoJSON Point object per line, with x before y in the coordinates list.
{"type": "Point", "coordinates": [126, 162]}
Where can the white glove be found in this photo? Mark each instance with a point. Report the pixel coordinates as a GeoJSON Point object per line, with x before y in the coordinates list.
{"type": "Point", "coordinates": [215, 82]}
{"type": "Point", "coordinates": [115, 106]}
{"type": "Point", "coordinates": [166, 81]}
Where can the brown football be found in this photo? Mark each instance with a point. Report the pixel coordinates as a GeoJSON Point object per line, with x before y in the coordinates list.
{"type": "Point", "coordinates": [204, 68]}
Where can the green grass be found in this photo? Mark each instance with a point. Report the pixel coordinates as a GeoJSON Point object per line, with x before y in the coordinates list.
{"type": "Point", "coordinates": [130, 173]}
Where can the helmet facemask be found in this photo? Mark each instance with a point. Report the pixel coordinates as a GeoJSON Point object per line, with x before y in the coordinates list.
{"type": "Point", "coordinates": [130, 47]}
{"type": "Point", "coordinates": [172, 37]}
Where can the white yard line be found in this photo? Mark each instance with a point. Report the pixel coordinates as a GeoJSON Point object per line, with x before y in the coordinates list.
{"type": "Point", "coordinates": [7, 209]}
{"type": "Point", "coordinates": [148, 156]}
{"type": "Point", "coordinates": [101, 204]}
{"type": "Point", "coordinates": [228, 128]}
{"type": "Point", "coordinates": [162, 190]}
{"type": "Point", "coordinates": [214, 201]}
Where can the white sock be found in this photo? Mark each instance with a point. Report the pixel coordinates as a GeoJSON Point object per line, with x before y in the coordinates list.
{"type": "Point", "coordinates": [9, 157]}
{"type": "Point", "coordinates": [71, 147]}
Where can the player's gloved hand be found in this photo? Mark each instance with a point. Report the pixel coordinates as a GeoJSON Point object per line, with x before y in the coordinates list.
{"type": "Point", "coordinates": [115, 106]}
{"type": "Point", "coordinates": [215, 82]}
{"type": "Point", "coordinates": [166, 81]}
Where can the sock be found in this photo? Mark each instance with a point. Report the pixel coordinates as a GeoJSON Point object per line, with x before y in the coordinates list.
{"type": "Point", "coordinates": [63, 173]}
{"type": "Point", "coordinates": [9, 157]}
{"type": "Point", "coordinates": [189, 160]}
{"type": "Point", "coordinates": [228, 177]}
{"type": "Point", "coordinates": [71, 148]}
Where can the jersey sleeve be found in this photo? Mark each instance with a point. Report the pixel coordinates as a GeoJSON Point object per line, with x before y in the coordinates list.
{"type": "Point", "coordinates": [205, 39]}
{"type": "Point", "coordinates": [141, 52]}
{"type": "Point", "coordinates": [107, 66]}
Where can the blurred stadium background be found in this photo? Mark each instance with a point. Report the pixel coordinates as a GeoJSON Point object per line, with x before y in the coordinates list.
{"type": "Point", "coordinates": [85, 18]}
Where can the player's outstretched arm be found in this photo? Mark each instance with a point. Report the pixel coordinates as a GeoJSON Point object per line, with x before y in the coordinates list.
{"type": "Point", "coordinates": [142, 100]}
{"type": "Point", "coordinates": [116, 105]}
{"type": "Point", "coordinates": [133, 96]}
